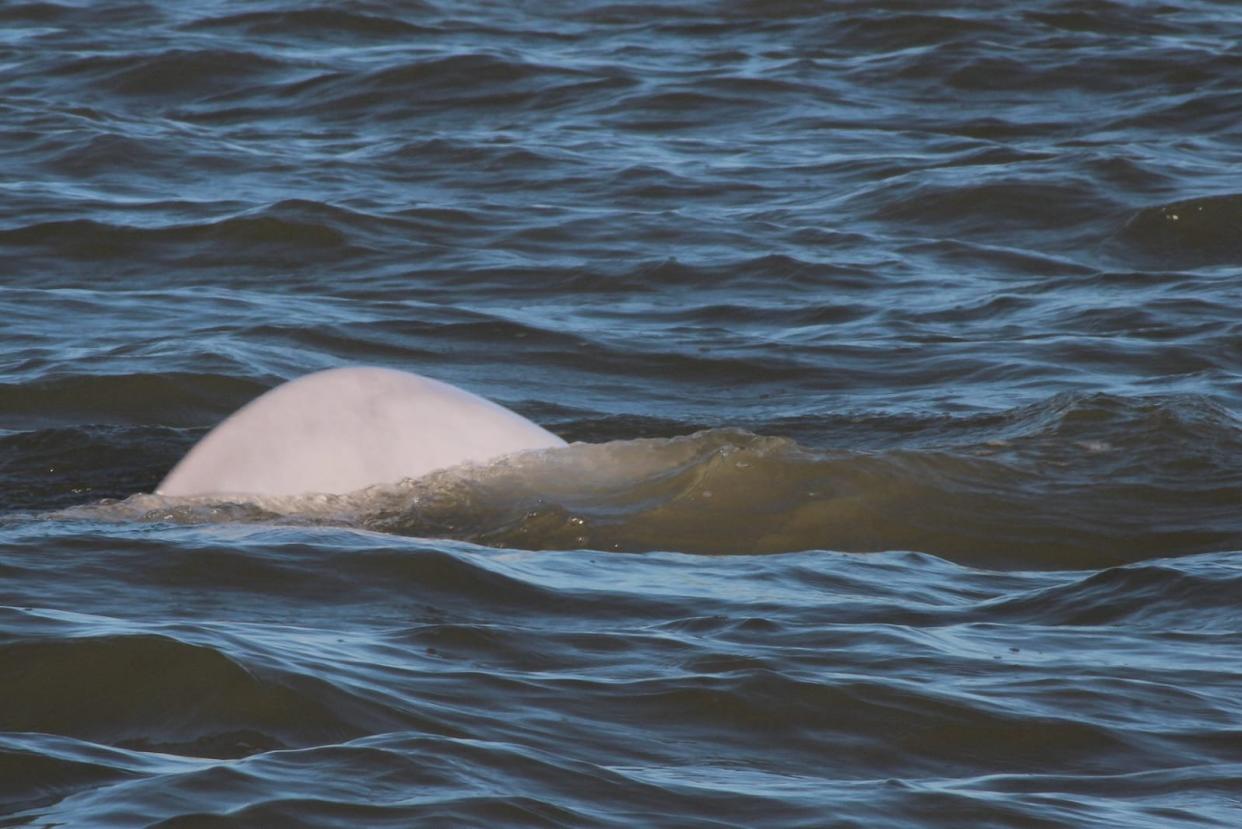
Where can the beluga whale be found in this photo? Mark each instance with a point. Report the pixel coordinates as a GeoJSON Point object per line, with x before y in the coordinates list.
{"type": "Point", "coordinates": [343, 429]}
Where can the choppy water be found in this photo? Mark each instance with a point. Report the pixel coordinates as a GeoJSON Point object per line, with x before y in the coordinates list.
{"type": "Point", "coordinates": [900, 347]}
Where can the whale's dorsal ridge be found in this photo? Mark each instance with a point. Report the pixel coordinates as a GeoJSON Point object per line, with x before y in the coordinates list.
{"type": "Point", "coordinates": [343, 429]}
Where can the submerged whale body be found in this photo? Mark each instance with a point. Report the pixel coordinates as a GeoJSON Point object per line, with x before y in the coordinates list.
{"type": "Point", "coordinates": [343, 429]}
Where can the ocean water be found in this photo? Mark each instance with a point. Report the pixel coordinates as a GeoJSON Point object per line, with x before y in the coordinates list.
{"type": "Point", "coordinates": [898, 345]}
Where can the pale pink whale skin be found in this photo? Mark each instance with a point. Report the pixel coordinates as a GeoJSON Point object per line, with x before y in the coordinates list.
{"type": "Point", "coordinates": [344, 429]}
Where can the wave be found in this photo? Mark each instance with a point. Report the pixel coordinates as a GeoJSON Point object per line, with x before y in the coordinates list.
{"type": "Point", "coordinates": [987, 209]}
{"type": "Point", "coordinates": [317, 23]}
{"type": "Point", "coordinates": [180, 73]}
{"type": "Point", "coordinates": [1152, 595]}
{"type": "Point", "coordinates": [290, 231]}
{"type": "Point", "coordinates": [174, 398]}
{"type": "Point", "coordinates": [481, 80]}
{"type": "Point", "coordinates": [1199, 231]}
{"type": "Point", "coordinates": [1079, 481]}
{"type": "Point", "coordinates": [193, 699]}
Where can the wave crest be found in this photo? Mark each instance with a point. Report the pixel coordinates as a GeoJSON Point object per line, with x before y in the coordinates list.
{"type": "Point", "coordinates": [1077, 481]}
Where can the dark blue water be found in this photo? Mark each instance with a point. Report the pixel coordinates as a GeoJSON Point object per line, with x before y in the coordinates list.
{"type": "Point", "coordinates": [899, 345]}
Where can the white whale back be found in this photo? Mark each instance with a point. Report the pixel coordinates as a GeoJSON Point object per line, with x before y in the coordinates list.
{"type": "Point", "coordinates": [343, 429]}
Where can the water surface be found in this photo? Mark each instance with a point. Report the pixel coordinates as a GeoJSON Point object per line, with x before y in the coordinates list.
{"type": "Point", "coordinates": [898, 346]}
